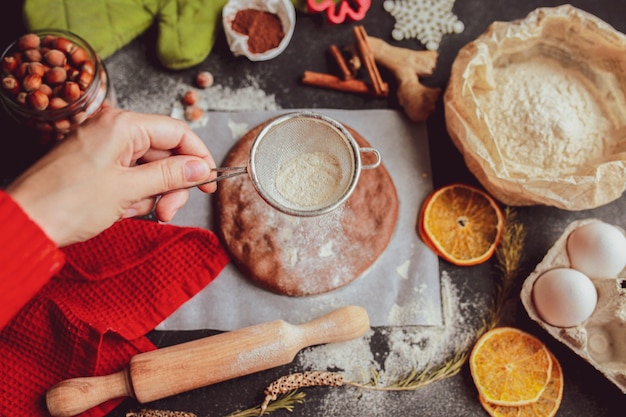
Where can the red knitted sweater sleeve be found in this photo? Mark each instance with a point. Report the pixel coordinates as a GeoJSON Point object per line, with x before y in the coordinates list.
{"type": "Point", "coordinates": [28, 258]}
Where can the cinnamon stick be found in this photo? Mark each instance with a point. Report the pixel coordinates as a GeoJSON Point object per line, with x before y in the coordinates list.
{"type": "Point", "coordinates": [318, 79]}
{"type": "Point", "coordinates": [368, 59]}
{"type": "Point", "coordinates": [346, 74]}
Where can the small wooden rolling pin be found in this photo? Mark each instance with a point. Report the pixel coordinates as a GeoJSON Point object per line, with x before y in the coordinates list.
{"type": "Point", "coordinates": [171, 370]}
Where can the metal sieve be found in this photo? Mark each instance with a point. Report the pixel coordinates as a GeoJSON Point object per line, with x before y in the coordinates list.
{"type": "Point", "coordinates": [304, 164]}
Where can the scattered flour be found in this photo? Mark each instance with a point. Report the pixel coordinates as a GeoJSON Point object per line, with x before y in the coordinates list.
{"type": "Point", "coordinates": [403, 270]}
{"type": "Point", "coordinates": [162, 94]}
{"type": "Point", "coordinates": [410, 347]}
{"type": "Point", "coordinates": [326, 250]}
{"type": "Point", "coordinates": [547, 119]}
{"type": "Point", "coordinates": [237, 130]}
{"type": "Point", "coordinates": [220, 98]}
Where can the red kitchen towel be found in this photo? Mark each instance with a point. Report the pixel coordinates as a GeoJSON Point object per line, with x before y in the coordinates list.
{"type": "Point", "coordinates": [93, 316]}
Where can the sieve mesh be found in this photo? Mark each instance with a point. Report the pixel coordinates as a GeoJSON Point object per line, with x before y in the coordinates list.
{"type": "Point", "coordinates": [285, 154]}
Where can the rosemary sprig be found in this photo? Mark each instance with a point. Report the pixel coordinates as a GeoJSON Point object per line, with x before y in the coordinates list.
{"type": "Point", "coordinates": [509, 256]}
{"type": "Point", "coordinates": [287, 401]}
{"type": "Point", "coordinates": [416, 379]}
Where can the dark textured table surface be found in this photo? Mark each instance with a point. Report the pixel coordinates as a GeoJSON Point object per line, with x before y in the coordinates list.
{"type": "Point", "coordinates": [586, 391]}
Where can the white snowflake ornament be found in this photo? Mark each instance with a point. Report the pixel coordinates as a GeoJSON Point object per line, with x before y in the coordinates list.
{"type": "Point", "coordinates": [426, 20]}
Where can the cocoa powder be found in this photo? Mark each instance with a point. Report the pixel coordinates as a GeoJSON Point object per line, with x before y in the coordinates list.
{"type": "Point", "coordinates": [264, 29]}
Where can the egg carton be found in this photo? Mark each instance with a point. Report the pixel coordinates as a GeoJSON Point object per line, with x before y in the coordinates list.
{"type": "Point", "coordinates": [600, 339]}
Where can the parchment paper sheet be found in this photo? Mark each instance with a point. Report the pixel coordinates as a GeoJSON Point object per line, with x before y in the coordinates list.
{"type": "Point", "coordinates": [401, 288]}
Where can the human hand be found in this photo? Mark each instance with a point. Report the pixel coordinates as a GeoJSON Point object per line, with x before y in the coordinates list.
{"type": "Point", "coordinates": [117, 164]}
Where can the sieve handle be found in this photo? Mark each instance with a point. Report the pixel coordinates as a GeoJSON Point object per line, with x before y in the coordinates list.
{"type": "Point", "coordinates": [376, 154]}
{"type": "Point", "coordinates": [229, 173]}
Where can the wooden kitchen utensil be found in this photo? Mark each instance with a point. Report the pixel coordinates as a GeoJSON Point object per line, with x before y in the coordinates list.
{"type": "Point", "coordinates": [171, 370]}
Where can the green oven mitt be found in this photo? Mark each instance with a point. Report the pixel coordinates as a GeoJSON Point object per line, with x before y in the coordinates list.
{"type": "Point", "coordinates": [187, 29]}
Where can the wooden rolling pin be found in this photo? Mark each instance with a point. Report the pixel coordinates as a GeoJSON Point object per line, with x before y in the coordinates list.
{"type": "Point", "coordinates": [168, 371]}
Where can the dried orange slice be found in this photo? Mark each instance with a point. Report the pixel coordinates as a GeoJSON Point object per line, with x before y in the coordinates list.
{"type": "Point", "coordinates": [510, 367]}
{"type": "Point", "coordinates": [462, 224]}
{"type": "Point", "coordinates": [546, 406]}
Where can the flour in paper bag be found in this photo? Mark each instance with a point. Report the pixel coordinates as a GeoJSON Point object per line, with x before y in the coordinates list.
{"type": "Point", "coordinates": [548, 121]}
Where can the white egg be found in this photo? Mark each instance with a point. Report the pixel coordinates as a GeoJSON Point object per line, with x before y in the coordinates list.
{"type": "Point", "coordinates": [564, 297]}
{"type": "Point", "coordinates": [597, 249]}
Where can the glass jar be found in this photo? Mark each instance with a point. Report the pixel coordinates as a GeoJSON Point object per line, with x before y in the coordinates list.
{"type": "Point", "coordinates": [52, 81]}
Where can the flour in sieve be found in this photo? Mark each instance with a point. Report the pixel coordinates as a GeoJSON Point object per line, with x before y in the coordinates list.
{"type": "Point", "coordinates": [309, 179]}
{"type": "Point", "coordinates": [546, 119]}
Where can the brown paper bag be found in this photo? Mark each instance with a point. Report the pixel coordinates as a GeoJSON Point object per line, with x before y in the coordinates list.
{"type": "Point", "coordinates": [537, 106]}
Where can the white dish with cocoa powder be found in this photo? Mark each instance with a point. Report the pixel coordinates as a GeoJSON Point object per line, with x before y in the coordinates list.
{"type": "Point", "coordinates": [239, 43]}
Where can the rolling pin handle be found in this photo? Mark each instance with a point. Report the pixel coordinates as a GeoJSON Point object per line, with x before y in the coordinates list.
{"type": "Point", "coordinates": [340, 325]}
{"type": "Point", "coordinates": [73, 396]}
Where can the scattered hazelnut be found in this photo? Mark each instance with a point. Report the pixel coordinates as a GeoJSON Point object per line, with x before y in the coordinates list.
{"type": "Point", "coordinates": [38, 100]}
{"type": "Point", "coordinates": [55, 58]}
{"type": "Point", "coordinates": [204, 79]}
{"type": "Point", "coordinates": [193, 113]}
{"type": "Point", "coordinates": [28, 41]}
{"type": "Point", "coordinates": [190, 97]}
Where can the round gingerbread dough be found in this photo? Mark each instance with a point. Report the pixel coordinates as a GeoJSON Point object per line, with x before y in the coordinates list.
{"type": "Point", "coordinates": [300, 256]}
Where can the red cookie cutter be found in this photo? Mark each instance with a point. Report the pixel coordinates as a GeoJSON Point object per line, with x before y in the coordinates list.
{"type": "Point", "coordinates": [337, 11]}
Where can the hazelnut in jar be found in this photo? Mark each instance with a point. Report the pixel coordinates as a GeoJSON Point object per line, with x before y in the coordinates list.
{"type": "Point", "coordinates": [52, 81]}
